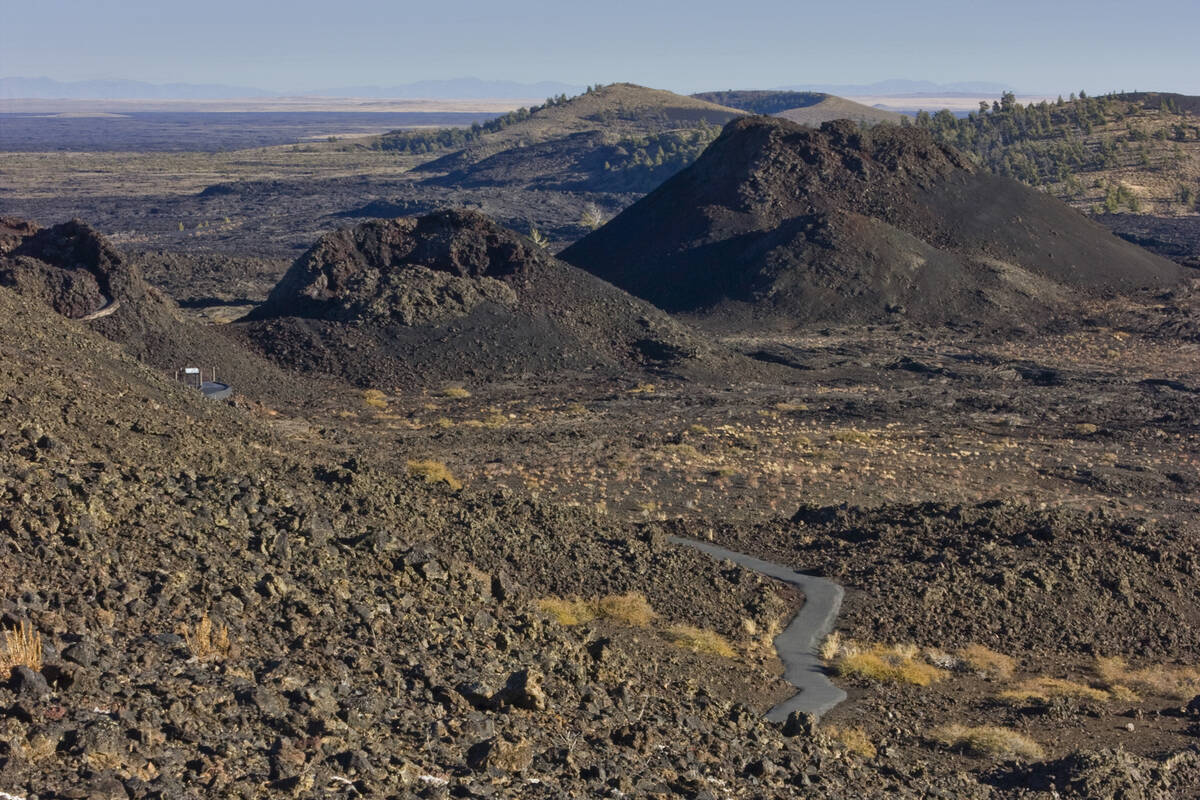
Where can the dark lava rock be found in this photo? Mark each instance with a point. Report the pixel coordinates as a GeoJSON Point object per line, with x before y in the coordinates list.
{"type": "Point", "coordinates": [26, 681]}
{"type": "Point", "coordinates": [453, 294]}
{"type": "Point", "coordinates": [78, 273]}
{"type": "Point", "coordinates": [785, 224]}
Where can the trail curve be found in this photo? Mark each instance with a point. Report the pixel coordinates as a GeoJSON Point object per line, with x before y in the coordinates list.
{"type": "Point", "coordinates": [797, 645]}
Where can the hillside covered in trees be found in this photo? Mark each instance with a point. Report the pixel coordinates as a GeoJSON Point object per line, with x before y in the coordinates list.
{"type": "Point", "coordinates": [1114, 153]}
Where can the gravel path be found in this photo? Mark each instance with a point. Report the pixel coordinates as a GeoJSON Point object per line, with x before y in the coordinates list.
{"type": "Point", "coordinates": [797, 645]}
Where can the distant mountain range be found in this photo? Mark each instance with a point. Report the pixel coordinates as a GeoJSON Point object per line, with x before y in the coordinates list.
{"type": "Point", "coordinates": [456, 88]}
{"type": "Point", "coordinates": [902, 87]}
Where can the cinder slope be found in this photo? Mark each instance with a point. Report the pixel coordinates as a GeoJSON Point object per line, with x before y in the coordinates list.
{"type": "Point", "coordinates": [806, 108]}
{"type": "Point", "coordinates": [72, 270]}
{"type": "Point", "coordinates": [453, 295]}
{"type": "Point", "coordinates": [831, 108]}
{"type": "Point", "coordinates": [789, 225]}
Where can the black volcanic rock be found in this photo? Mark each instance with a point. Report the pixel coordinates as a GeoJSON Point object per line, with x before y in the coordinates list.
{"type": "Point", "coordinates": [788, 225]}
{"type": "Point", "coordinates": [77, 273]}
{"type": "Point", "coordinates": [452, 295]}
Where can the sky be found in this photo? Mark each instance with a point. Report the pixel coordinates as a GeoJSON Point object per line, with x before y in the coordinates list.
{"type": "Point", "coordinates": [1042, 46]}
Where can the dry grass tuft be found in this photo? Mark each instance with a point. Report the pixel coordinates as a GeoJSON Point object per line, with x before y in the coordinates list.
{"type": "Point", "coordinates": [375, 398]}
{"type": "Point", "coordinates": [434, 472]}
{"type": "Point", "coordinates": [207, 640]}
{"type": "Point", "coordinates": [455, 392]}
{"type": "Point", "coordinates": [988, 740]}
{"type": "Point", "coordinates": [886, 664]}
{"type": "Point", "coordinates": [630, 608]}
{"type": "Point", "coordinates": [851, 436]}
{"type": "Point", "coordinates": [831, 646]}
{"type": "Point", "coordinates": [853, 739]}
{"type": "Point", "coordinates": [699, 640]}
{"type": "Point", "coordinates": [567, 611]}
{"type": "Point", "coordinates": [1178, 683]}
{"type": "Point", "coordinates": [988, 662]}
{"type": "Point", "coordinates": [22, 647]}
{"type": "Point", "coordinates": [1045, 689]}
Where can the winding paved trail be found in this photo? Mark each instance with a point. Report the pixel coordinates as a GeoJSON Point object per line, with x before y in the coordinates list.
{"type": "Point", "coordinates": [797, 645]}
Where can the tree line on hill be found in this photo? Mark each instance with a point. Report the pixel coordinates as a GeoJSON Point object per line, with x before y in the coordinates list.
{"type": "Point", "coordinates": [1055, 143]}
{"type": "Point", "coordinates": [417, 142]}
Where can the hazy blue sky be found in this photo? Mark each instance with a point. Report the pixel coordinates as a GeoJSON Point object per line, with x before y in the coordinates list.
{"type": "Point", "coordinates": [1042, 45]}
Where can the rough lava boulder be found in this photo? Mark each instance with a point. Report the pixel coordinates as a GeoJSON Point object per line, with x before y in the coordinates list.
{"type": "Point", "coordinates": [783, 225]}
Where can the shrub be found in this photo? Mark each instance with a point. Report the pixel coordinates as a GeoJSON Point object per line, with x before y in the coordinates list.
{"type": "Point", "coordinates": [455, 392]}
{"type": "Point", "coordinates": [989, 662]}
{"type": "Point", "coordinates": [375, 398]}
{"type": "Point", "coordinates": [22, 647]}
{"type": "Point", "coordinates": [1045, 689]}
{"type": "Point", "coordinates": [434, 472]}
{"type": "Point", "coordinates": [988, 740]}
{"type": "Point", "coordinates": [1178, 683]}
{"type": "Point", "coordinates": [630, 608]}
{"type": "Point", "coordinates": [699, 640]}
{"type": "Point", "coordinates": [568, 612]}
{"type": "Point", "coordinates": [207, 640]}
{"type": "Point", "coordinates": [831, 646]}
{"type": "Point", "coordinates": [887, 664]}
{"type": "Point", "coordinates": [853, 739]}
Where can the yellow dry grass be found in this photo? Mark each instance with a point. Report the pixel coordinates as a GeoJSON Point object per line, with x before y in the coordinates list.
{"type": "Point", "coordinates": [699, 640]}
{"type": "Point", "coordinates": [1045, 689]}
{"type": "Point", "coordinates": [1178, 683]}
{"type": "Point", "coordinates": [988, 740]}
{"type": "Point", "coordinates": [567, 611]}
{"type": "Point", "coordinates": [831, 646]}
{"type": "Point", "coordinates": [455, 392]}
{"type": "Point", "coordinates": [434, 472]}
{"type": "Point", "coordinates": [988, 662]}
{"type": "Point", "coordinates": [375, 398]}
{"type": "Point", "coordinates": [22, 647]}
{"type": "Point", "coordinates": [630, 608]}
{"type": "Point", "coordinates": [886, 664]}
{"type": "Point", "coordinates": [206, 640]}
{"type": "Point", "coordinates": [855, 740]}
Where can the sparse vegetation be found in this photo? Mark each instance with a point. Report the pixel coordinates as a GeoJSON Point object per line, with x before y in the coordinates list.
{"type": "Point", "coordinates": [375, 398]}
{"type": "Point", "coordinates": [881, 663]}
{"type": "Point", "coordinates": [568, 611]}
{"type": "Point", "coordinates": [630, 608]}
{"type": "Point", "coordinates": [434, 472]}
{"type": "Point", "coordinates": [592, 217]}
{"type": "Point", "coordinates": [207, 641]}
{"type": "Point", "coordinates": [22, 647]}
{"type": "Point", "coordinates": [1043, 690]}
{"type": "Point", "coordinates": [700, 640]}
{"type": "Point", "coordinates": [988, 740]}
{"type": "Point", "coordinates": [537, 237]}
{"type": "Point", "coordinates": [455, 392]}
{"type": "Point", "coordinates": [855, 740]}
{"type": "Point", "coordinates": [1179, 683]}
{"type": "Point", "coordinates": [988, 662]}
